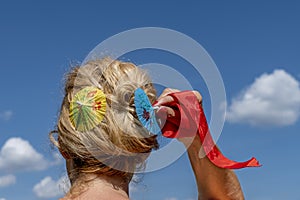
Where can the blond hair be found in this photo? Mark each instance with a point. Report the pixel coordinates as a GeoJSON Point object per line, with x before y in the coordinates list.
{"type": "Point", "coordinates": [118, 145]}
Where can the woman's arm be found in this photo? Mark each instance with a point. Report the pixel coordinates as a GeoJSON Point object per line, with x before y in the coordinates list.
{"type": "Point", "coordinates": [213, 183]}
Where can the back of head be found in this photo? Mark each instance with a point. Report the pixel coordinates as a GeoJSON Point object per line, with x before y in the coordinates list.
{"type": "Point", "coordinates": [118, 144]}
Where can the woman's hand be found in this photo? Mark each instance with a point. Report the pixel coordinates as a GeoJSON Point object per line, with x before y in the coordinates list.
{"type": "Point", "coordinates": [164, 99]}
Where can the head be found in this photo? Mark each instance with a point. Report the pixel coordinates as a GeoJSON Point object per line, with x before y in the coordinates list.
{"type": "Point", "coordinates": [119, 144]}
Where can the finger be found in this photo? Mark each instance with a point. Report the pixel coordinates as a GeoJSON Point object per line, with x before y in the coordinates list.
{"type": "Point", "coordinates": [169, 111]}
{"type": "Point", "coordinates": [164, 100]}
{"type": "Point", "coordinates": [167, 91]}
{"type": "Point", "coordinates": [198, 95]}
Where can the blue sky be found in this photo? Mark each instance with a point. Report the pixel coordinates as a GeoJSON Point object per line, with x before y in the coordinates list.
{"type": "Point", "coordinates": [255, 45]}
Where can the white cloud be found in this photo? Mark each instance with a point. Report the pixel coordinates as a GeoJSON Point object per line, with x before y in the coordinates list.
{"type": "Point", "coordinates": [18, 155]}
{"type": "Point", "coordinates": [48, 188]}
{"type": "Point", "coordinates": [6, 115]}
{"type": "Point", "coordinates": [273, 99]}
{"type": "Point", "coordinates": [2, 199]}
{"type": "Point", "coordinates": [7, 180]}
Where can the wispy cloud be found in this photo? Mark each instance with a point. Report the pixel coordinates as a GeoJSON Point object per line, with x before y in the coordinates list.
{"type": "Point", "coordinates": [6, 115]}
{"type": "Point", "coordinates": [17, 154]}
{"type": "Point", "coordinates": [7, 180]}
{"type": "Point", "coordinates": [49, 188]}
{"type": "Point", "coordinates": [273, 99]}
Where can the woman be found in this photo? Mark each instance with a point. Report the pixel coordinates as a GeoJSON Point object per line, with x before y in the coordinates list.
{"type": "Point", "coordinates": [102, 153]}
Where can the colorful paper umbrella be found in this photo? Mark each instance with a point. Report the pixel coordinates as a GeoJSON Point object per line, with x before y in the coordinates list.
{"type": "Point", "coordinates": [87, 108]}
{"type": "Point", "coordinates": [145, 111]}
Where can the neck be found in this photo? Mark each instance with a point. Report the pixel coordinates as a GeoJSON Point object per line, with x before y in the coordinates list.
{"type": "Point", "coordinates": [111, 187]}
{"type": "Point", "coordinates": [115, 182]}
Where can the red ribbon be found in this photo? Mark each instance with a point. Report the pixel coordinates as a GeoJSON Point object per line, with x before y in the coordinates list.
{"type": "Point", "coordinates": [189, 120]}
